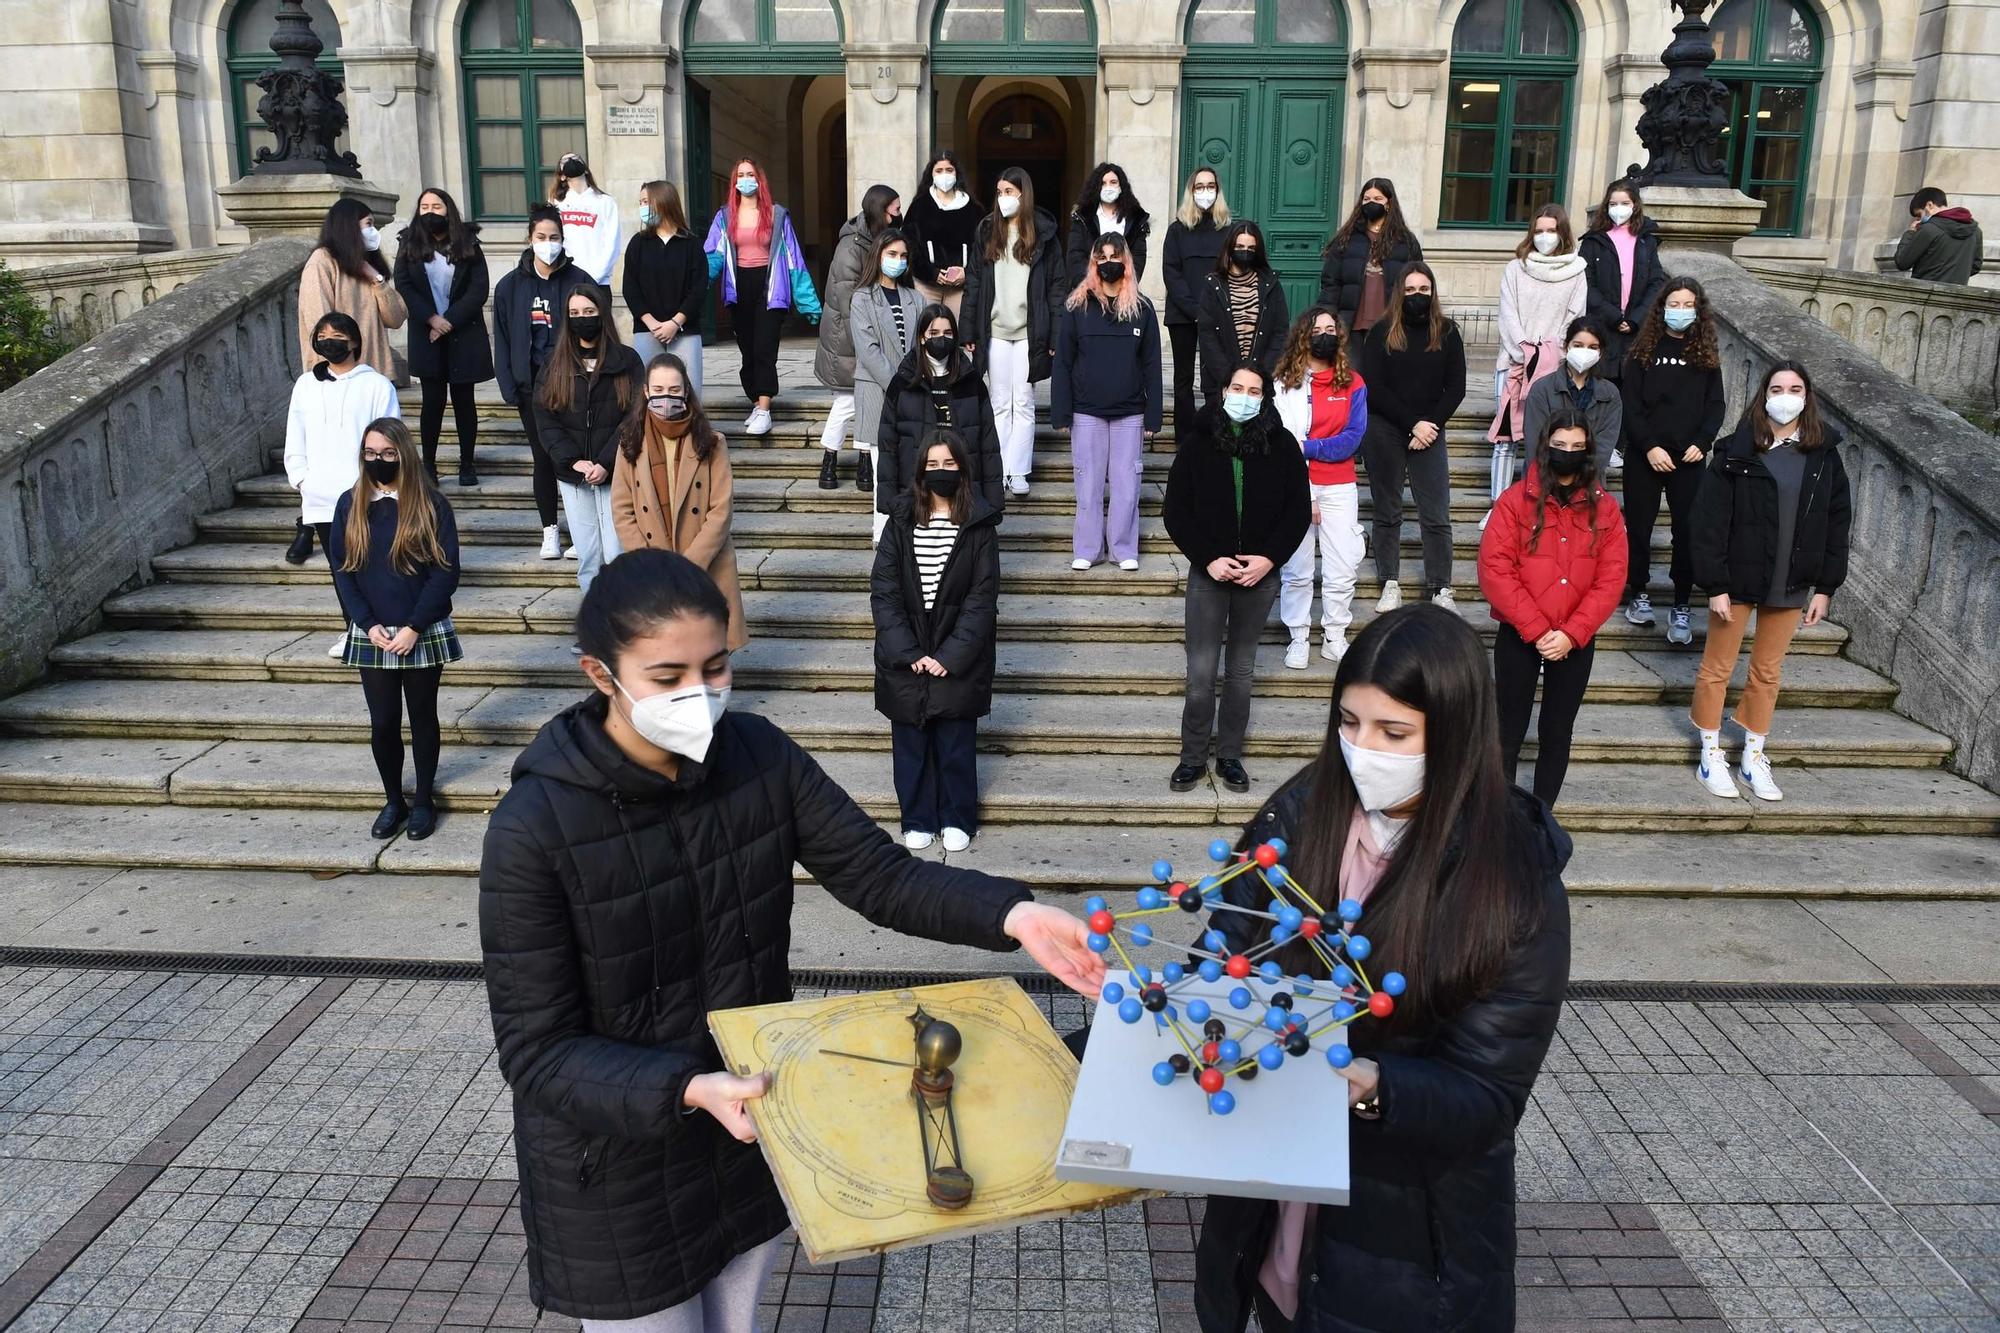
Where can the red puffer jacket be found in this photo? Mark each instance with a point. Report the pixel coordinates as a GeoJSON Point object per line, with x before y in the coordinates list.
{"type": "Point", "coordinates": [1569, 581]}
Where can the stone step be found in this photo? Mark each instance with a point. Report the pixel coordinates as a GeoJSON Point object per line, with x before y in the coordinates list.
{"type": "Point", "coordinates": [1019, 723]}
{"type": "Point", "coordinates": [545, 660]}
{"type": "Point", "coordinates": [1015, 788]}
{"type": "Point", "coordinates": [840, 614]}
{"type": "Point", "coordinates": [1046, 531]}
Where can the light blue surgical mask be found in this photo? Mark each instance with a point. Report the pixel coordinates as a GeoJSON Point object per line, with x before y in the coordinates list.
{"type": "Point", "coordinates": [894, 266]}
{"type": "Point", "coordinates": [647, 217]}
{"type": "Point", "coordinates": [1680, 318]}
{"type": "Point", "coordinates": [746, 185]}
{"type": "Point", "coordinates": [1241, 407]}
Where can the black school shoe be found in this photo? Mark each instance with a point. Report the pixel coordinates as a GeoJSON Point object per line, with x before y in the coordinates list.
{"type": "Point", "coordinates": [1232, 774]}
{"type": "Point", "coordinates": [829, 470]}
{"type": "Point", "coordinates": [864, 474]}
{"type": "Point", "coordinates": [467, 477]}
{"type": "Point", "coordinates": [391, 819]}
{"type": "Point", "coordinates": [423, 821]}
{"type": "Point", "coordinates": [1186, 776]}
{"type": "Point", "coordinates": [301, 548]}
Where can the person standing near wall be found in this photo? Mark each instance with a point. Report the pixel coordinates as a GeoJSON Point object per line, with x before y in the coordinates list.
{"type": "Point", "coordinates": [1579, 387]}
{"type": "Point", "coordinates": [1194, 239]}
{"type": "Point", "coordinates": [1012, 300]}
{"type": "Point", "coordinates": [1242, 314]}
{"type": "Point", "coordinates": [527, 307]}
{"type": "Point", "coordinates": [1324, 404]}
{"type": "Point", "coordinates": [1622, 250]}
{"type": "Point", "coordinates": [1414, 362]}
{"type": "Point", "coordinates": [1105, 395]}
{"type": "Point", "coordinates": [940, 223]}
{"type": "Point", "coordinates": [1107, 204]}
{"type": "Point", "coordinates": [752, 248]}
{"type": "Point", "coordinates": [666, 281]}
{"type": "Point", "coordinates": [591, 383]}
{"type": "Point", "coordinates": [1673, 410]}
{"type": "Point", "coordinates": [833, 359]}
{"type": "Point", "coordinates": [1541, 291]}
{"type": "Point", "coordinates": [441, 276]}
{"type": "Point", "coordinates": [589, 218]}
{"type": "Point", "coordinates": [1361, 269]}
{"type": "Point", "coordinates": [346, 272]}
{"type": "Point", "coordinates": [1771, 528]}
{"type": "Point", "coordinates": [332, 405]}
{"type": "Point", "coordinates": [1942, 243]}
{"type": "Point", "coordinates": [935, 594]}
{"type": "Point", "coordinates": [884, 313]}
{"type": "Point", "coordinates": [394, 547]}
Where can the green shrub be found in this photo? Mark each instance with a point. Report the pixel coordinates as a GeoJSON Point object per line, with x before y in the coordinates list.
{"type": "Point", "coordinates": [29, 339]}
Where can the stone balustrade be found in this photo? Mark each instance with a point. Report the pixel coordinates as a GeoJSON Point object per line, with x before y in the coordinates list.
{"type": "Point", "coordinates": [1922, 598]}
{"type": "Point", "coordinates": [110, 454]}
{"type": "Point", "coordinates": [88, 296]}
{"type": "Point", "coordinates": [1941, 337]}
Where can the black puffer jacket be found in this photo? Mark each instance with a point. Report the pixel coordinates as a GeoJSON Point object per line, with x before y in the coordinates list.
{"type": "Point", "coordinates": [588, 431]}
{"type": "Point", "coordinates": [1605, 277]}
{"type": "Point", "coordinates": [1047, 286]}
{"type": "Point", "coordinates": [616, 909]}
{"type": "Point", "coordinates": [1342, 272]}
{"type": "Point", "coordinates": [908, 415]}
{"type": "Point", "coordinates": [1735, 524]}
{"type": "Point", "coordinates": [1215, 329]}
{"type": "Point", "coordinates": [1201, 512]}
{"type": "Point", "coordinates": [958, 630]}
{"type": "Point", "coordinates": [1427, 1241]}
{"type": "Point", "coordinates": [1185, 263]}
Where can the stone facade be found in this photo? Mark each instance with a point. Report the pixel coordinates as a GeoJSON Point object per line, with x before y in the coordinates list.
{"type": "Point", "coordinates": [118, 127]}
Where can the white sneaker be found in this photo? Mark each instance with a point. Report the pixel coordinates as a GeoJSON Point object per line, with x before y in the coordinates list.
{"type": "Point", "coordinates": [339, 648]}
{"type": "Point", "coordinates": [1079, 563]}
{"type": "Point", "coordinates": [1017, 485]}
{"type": "Point", "coordinates": [1391, 598]}
{"type": "Point", "coordinates": [551, 543]}
{"type": "Point", "coordinates": [916, 842]}
{"type": "Point", "coordinates": [1713, 770]}
{"type": "Point", "coordinates": [1617, 463]}
{"type": "Point", "coordinates": [1334, 648]}
{"type": "Point", "coordinates": [1757, 772]}
{"type": "Point", "coordinates": [569, 553]}
{"type": "Point", "coordinates": [1296, 653]}
{"type": "Point", "coordinates": [1445, 598]}
{"type": "Point", "coordinates": [758, 422]}
{"type": "Point", "coordinates": [1129, 566]}
{"type": "Point", "coordinates": [956, 839]}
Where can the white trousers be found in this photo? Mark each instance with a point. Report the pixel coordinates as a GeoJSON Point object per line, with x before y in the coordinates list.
{"type": "Point", "coordinates": [838, 418]}
{"type": "Point", "coordinates": [1013, 404]}
{"type": "Point", "coordinates": [1336, 538]}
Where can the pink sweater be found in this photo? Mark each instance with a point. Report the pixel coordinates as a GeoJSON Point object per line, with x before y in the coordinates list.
{"type": "Point", "coordinates": [1626, 242]}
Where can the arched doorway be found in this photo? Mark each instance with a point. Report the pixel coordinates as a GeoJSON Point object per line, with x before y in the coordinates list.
{"type": "Point", "coordinates": [1021, 129]}
{"type": "Point", "coordinates": [1014, 83]}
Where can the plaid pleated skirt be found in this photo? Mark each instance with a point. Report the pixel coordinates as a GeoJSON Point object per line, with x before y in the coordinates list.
{"type": "Point", "coordinates": [437, 645]}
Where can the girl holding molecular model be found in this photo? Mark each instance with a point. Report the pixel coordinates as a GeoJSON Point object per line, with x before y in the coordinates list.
{"type": "Point", "coordinates": [1458, 879]}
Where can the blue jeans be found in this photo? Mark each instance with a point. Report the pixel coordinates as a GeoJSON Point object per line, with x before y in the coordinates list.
{"type": "Point", "coordinates": [588, 509]}
{"type": "Point", "coordinates": [687, 347]}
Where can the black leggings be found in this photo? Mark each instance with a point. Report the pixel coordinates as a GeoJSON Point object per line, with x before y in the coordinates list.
{"type": "Point", "coordinates": [387, 692]}
{"type": "Point", "coordinates": [1184, 340]}
{"type": "Point", "coordinates": [323, 531]}
{"type": "Point", "coordinates": [1643, 490]}
{"type": "Point", "coordinates": [1516, 666]}
{"type": "Point", "coordinates": [757, 330]}
{"type": "Point", "coordinates": [464, 414]}
{"type": "Point", "coordinates": [545, 468]}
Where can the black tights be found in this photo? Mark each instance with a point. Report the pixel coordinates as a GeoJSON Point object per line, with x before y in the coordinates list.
{"type": "Point", "coordinates": [387, 692]}
{"type": "Point", "coordinates": [545, 468]}
{"type": "Point", "coordinates": [464, 414]}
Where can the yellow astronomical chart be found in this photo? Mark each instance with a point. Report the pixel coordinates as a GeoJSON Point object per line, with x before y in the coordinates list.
{"type": "Point", "coordinates": [862, 1157]}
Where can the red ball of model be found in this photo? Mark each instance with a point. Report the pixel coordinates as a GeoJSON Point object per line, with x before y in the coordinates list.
{"type": "Point", "coordinates": [1238, 966]}
{"type": "Point", "coordinates": [1101, 922]}
{"type": "Point", "coordinates": [1381, 1004]}
{"type": "Point", "coordinates": [1176, 889]}
{"type": "Point", "coordinates": [1211, 1080]}
{"type": "Point", "coordinates": [1267, 856]}
{"type": "Point", "coordinates": [1309, 927]}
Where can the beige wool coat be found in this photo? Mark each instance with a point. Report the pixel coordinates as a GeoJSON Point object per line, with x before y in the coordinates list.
{"type": "Point", "coordinates": [694, 521]}
{"type": "Point", "coordinates": [375, 307]}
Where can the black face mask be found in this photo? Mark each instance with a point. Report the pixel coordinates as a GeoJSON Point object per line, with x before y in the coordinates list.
{"type": "Point", "coordinates": [1110, 270]}
{"type": "Point", "coordinates": [1326, 346]}
{"type": "Point", "coordinates": [1244, 259]}
{"type": "Point", "coordinates": [333, 349]}
{"type": "Point", "coordinates": [586, 327]}
{"type": "Point", "coordinates": [1373, 211]}
{"type": "Point", "coordinates": [1567, 465]}
{"type": "Point", "coordinates": [435, 224]}
{"type": "Point", "coordinates": [381, 471]}
{"type": "Point", "coordinates": [572, 169]}
{"type": "Point", "coordinates": [939, 348]}
{"type": "Point", "coordinates": [1417, 309]}
{"type": "Point", "coordinates": [942, 481]}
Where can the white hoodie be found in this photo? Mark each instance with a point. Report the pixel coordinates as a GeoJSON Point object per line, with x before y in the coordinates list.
{"type": "Point", "coordinates": [323, 434]}
{"type": "Point", "coordinates": [590, 231]}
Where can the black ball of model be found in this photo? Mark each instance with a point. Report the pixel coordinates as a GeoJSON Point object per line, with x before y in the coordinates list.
{"type": "Point", "coordinates": [1297, 1043]}
{"type": "Point", "coordinates": [1179, 1062]}
{"type": "Point", "coordinates": [1215, 1029]}
{"type": "Point", "coordinates": [1189, 901]}
{"type": "Point", "coordinates": [1154, 997]}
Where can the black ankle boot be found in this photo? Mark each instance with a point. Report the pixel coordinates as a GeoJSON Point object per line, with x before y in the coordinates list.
{"type": "Point", "coordinates": [301, 548]}
{"type": "Point", "coordinates": [829, 469]}
{"type": "Point", "coordinates": [864, 474]}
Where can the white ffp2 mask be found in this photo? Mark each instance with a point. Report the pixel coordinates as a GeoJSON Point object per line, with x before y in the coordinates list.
{"type": "Point", "coordinates": [1382, 780]}
{"type": "Point", "coordinates": [680, 722]}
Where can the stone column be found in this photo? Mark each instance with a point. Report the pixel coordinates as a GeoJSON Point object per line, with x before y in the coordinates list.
{"type": "Point", "coordinates": [625, 96]}
{"type": "Point", "coordinates": [885, 115]}
{"type": "Point", "coordinates": [386, 86]}
{"type": "Point", "coordinates": [1881, 106]}
{"type": "Point", "coordinates": [171, 82]}
{"type": "Point", "coordinates": [1949, 140]}
{"type": "Point", "coordinates": [1398, 89]}
{"type": "Point", "coordinates": [1140, 129]}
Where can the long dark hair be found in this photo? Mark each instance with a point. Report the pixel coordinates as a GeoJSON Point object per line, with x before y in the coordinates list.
{"type": "Point", "coordinates": [566, 362]}
{"type": "Point", "coordinates": [1601, 219]}
{"type": "Point", "coordinates": [871, 264]}
{"type": "Point", "coordinates": [1461, 886]}
{"type": "Point", "coordinates": [1128, 209]}
{"type": "Point", "coordinates": [1394, 231]}
{"type": "Point", "coordinates": [1025, 237]}
{"type": "Point", "coordinates": [461, 238]}
{"type": "Point", "coordinates": [1697, 346]}
{"type": "Point", "coordinates": [1395, 336]}
{"type": "Point", "coordinates": [637, 426]}
{"type": "Point", "coordinates": [875, 209]}
{"type": "Point", "coordinates": [920, 491]}
{"type": "Point", "coordinates": [964, 182]}
{"type": "Point", "coordinates": [1239, 228]}
{"type": "Point", "coordinates": [340, 236]}
{"type": "Point", "coordinates": [1812, 429]}
{"type": "Point", "coordinates": [637, 593]}
{"type": "Point", "coordinates": [1582, 489]}
{"type": "Point", "coordinates": [914, 362]}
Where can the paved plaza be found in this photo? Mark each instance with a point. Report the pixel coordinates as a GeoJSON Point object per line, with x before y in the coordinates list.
{"type": "Point", "coordinates": [239, 1152]}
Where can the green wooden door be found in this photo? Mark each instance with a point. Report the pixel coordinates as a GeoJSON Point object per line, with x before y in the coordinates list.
{"type": "Point", "coordinates": [700, 169]}
{"type": "Point", "coordinates": [1275, 141]}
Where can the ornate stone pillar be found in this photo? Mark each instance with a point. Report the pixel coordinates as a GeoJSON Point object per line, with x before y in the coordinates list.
{"type": "Point", "coordinates": [1398, 88]}
{"type": "Point", "coordinates": [1141, 127]}
{"type": "Point", "coordinates": [885, 115]}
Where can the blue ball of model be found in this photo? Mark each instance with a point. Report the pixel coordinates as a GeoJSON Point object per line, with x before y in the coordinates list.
{"type": "Point", "coordinates": [1150, 898]}
{"type": "Point", "coordinates": [1131, 1011]}
{"type": "Point", "coordinates": [1198, 1011]}
{"type": "Point", "coordinates": [1163, 1073]}
{"type": "Point", "coordinates": [1222, 1103]}
{"type": "Point", "coordinates": [1340, 1057]}
{"type": "Point", "coordinates": [1358, 948]}
{"type": "Point", "coordinates": [1271, 1056]}
{"type": "Point", "coordinates": [1219, 850]}
{"type": "Point", "coordinates": [1112, 992]}
{"type": "Point", "coordinates": [1163, 871]}
{"type": "Point", "coordinates": [1394, 983]}
{"type": "Point", "coordinates": [1240, 998]}
{"type": "Point", "coordinates": [1210, 970]}
{"type": "Point", "coordinates": [1229, 1051]}
{"type": "Point", "coordinates": [1350, 910]}
{"type": "Point", "coordinates": [1098, 943]}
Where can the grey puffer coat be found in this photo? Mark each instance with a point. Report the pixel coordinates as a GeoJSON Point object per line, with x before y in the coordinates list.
{"type": "Point", "coordinates": [833, 359]}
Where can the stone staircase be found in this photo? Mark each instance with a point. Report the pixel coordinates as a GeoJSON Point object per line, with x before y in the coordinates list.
{"type": "Point", "coordinates": [204, 728]}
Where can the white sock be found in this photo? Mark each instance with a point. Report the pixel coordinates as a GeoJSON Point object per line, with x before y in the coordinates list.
{"type": "Point", "coordinates": [1753, 746]}
{"type": "Point", "coordinates": [1711, 740]}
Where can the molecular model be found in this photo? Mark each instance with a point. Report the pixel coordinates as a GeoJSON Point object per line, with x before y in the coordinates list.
{"type": "Point", "coordinates": [1273, 1017]}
